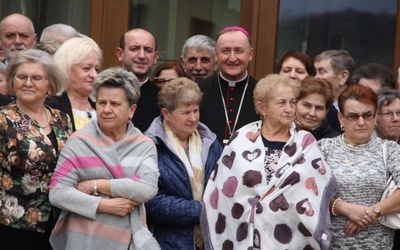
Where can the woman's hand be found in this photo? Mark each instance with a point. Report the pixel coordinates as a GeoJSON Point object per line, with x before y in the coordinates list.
{"type": "Point", "coordinates": [361, 215]}
{"type": "Point", "coordinates": [86, 186]}
{"type": "Point", "coordinates": [352, 229]}
{"type": "Point", "coordinates": [117, 206]}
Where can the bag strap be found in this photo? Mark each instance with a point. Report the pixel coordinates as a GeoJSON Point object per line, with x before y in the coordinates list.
{"type": "Point", "coordinates": [384, 146]}
{"type": "Point", "coordinates": [384, 153]}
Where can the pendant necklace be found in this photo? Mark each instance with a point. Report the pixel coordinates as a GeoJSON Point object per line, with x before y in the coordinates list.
{"type": "Point", "coordinates": [231, 130]}
{"type": "Point", "coordinates": [88, 114]}
{"type": "Point", "coordinates": [33, 120]}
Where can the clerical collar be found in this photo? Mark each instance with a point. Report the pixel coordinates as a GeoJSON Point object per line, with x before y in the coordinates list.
{"type": "Point", "coordinates": [141, 83]}
{"type": "Point", "coordinates": [228, 123]}
{"type": "Point", "coordinates": [233, 83]}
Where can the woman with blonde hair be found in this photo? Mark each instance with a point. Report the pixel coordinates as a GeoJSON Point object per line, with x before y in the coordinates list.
{"type": "Point", "coordinates": [80, 60]}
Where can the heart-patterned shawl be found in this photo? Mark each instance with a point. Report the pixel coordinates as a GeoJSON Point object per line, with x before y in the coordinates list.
{"type": "Point", "coordinates": [242, 211]}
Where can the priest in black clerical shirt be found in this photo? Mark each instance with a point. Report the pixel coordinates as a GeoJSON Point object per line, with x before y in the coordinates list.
{"type": "Point", "coordinates": [227, 103]}
{"type": "Point", "coordinates": [138, 53]}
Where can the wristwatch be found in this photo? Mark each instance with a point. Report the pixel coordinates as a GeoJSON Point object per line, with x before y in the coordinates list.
{"type": "Point", "coordinates": [377, 210]}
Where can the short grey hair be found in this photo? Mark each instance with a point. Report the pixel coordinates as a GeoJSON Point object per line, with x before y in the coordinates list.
{"type": "Point", "coordinates": [117, 77]}
{"type": "Point", "coordinates": [340, 61]}
{"type": "Point", "coordinates": [48, 45]}
{"type": "Point", "coordinates": [60, 29]}
{"type": "Point", "coordinates": [54, 75]}
{"type": "Point", "coordinates": [200, 43]}
{"type": "Point", "coordinates": [386, 96]}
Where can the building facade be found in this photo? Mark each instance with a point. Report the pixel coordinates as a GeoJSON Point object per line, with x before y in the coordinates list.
{"type": "Point", "coordinates": [368, 29]}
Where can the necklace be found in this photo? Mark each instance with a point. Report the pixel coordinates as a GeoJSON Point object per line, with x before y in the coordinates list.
{"type": "Point", "coordinates": [89, 115]}
{"type": "Point", "coordinates": [355, 150]}
{"type": "Point", "coordinates": [33, 120]}
{"type": "Point", "coordinates": [231, 130]}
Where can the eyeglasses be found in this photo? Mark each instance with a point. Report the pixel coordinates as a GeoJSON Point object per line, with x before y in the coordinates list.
{"type": "Point", "coordinates": [159, 80]}
{"type": "Point", "coordinates": [34, 78]}
{"type": "Point", "coordinates": [389, 115]}
{"type": "Point", "coordinates": [353, 117]}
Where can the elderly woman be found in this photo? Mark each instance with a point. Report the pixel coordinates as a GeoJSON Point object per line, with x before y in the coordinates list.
{"type": "Point", "coordinates": [31, 138]}
{"type": "Point", "coordinates": [105, 173]}
{"type": "Point", "coordinates": [187, 152]}
{"type": "Point", "coordinates": [312, 105]}
{"type": "Point", "coordinates": [388, 124]}
{"type": "Point", "coordinates": [296, 65]}
{"type": "Point", "coordinates": [166, 72]}
{"type": "Point", "coordinates": [357, 162]}
{"type": "Point", "coordinates": [271, 187]}
{"type": "Point", "coordinates": [80, 60]}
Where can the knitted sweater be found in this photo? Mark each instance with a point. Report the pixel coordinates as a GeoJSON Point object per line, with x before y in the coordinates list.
{"type": "Point", "coordinates": [361, 174]}
{"type": "Point", "coordinates": [131, 166]}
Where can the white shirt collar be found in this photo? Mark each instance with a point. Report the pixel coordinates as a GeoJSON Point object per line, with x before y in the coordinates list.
{"type": "Point", "coordinates": [141, 83]}
{"type": "Point", "coordinates": [232, 83]}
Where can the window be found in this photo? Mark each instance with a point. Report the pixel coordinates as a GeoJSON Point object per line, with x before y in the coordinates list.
{"type": "Point", "coordinates": [174, 21]}
{"type": "Point", "coordinates": [365, 28]}
{"type": "Point", "coordinates": [44, 13]}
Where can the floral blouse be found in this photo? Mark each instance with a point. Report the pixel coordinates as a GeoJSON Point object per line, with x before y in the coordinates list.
{"type": "Point", "coordinates": [28, 160]}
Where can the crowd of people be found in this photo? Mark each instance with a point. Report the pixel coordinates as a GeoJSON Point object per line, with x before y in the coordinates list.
{"type": "Point", "coordinates": [195, 154]}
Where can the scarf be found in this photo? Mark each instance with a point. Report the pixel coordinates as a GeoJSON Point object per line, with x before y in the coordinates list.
{"type": "Point", "coordinates": [242, 211]}
{"type": "Point", "coordinates": [193, 164]}
{"type": "Point", "coordinates": [131, 166]}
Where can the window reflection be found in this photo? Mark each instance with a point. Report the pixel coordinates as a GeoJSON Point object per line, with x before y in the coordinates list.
{"type": "Point", "coordinates": [364, 28]}
{"type": "Point", "coordinates": [174, 21]}
{"type": "Point", "coordinates": [44, 13]}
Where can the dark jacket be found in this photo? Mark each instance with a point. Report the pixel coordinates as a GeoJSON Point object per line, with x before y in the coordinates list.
{"type": "Point", "coordinates": [333, 119]}
{"type": "Point", "coordinates": [63, 103]}
{"type": "Point", "coordinates": [5, 100]}
{"type": "Point", "coordinates": [324, 131]}
{"type": "Point", "coordinates": [172, 213]}
{"type": "Point", "coordinates": [212, 112]}
{"type": "Point", "coordinates": [147, 108]}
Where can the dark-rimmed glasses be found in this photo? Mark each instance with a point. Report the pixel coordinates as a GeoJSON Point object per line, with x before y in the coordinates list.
{"type": "Point", "coordinates": [159, 80]}
{"type": "Point", "coordinates": [353, 117]}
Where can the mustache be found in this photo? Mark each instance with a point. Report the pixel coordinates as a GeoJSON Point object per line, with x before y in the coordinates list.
{"type": "Point", "coordinates": [17, 47]}
{"type": "Point", "coordinates": [198, 72]}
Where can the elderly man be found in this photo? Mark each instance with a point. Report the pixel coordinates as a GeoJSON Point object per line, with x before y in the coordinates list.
{"type": "Point", "coordinates": [138, 53]}
{"type": "Point", "coordinates": [227, 103]}
{"type": "Point", "coordinates": [198, 57]}
{"type": "Point", "coordinates": [16, 34]}
{"type": "Point", "coordinates": [335, 66]}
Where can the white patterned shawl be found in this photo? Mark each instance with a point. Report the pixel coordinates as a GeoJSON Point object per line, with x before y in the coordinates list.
{"type": "Point", "coordinates": [131, 166]}
{"type": "Point", "coordinates": [242, 211]}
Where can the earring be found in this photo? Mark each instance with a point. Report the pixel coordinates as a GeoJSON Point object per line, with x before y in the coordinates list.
{"type": "Point", "coordinates": [298, 124]}
{"type": "Point", "coordinates": [341, 127]}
